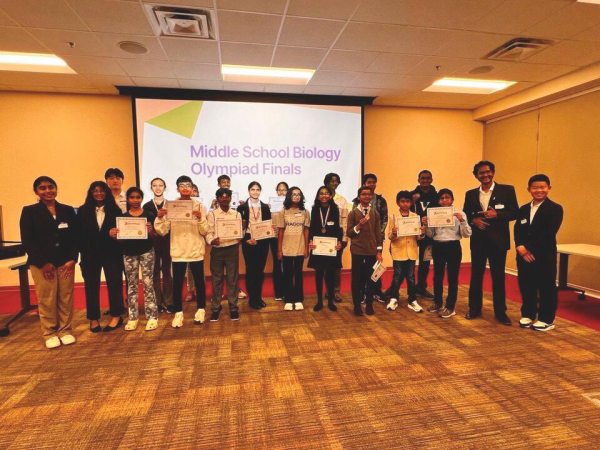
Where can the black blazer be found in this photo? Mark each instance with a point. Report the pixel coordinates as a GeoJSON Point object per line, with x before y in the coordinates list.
{"type": "Point", "coordinates": [244, 211]}
{"type": "Point", "coordinates": [47, 240]}
{"type": "Point", "coordinates": [96, 243]}
{"type": "Point", "coordinates": [504, 201]}
{"type": "Point", "coordinates": [539, 236]}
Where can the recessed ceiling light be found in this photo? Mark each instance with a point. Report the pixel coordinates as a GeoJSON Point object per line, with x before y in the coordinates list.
{"type": "Point", "coordinates": [33, 62]}
{"type": "Point", "coordinates": [273, 75]}
{"type": "Point", "coordinates": [468, 86]}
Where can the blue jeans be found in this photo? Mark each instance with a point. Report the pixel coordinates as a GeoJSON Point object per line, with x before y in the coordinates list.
{"type": "Point", "coordinates": [404, 269]}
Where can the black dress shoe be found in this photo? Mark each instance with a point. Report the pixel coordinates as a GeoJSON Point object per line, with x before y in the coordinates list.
{"type": "Point", "coordinates": [472, 315]}
{"type": "Point", "coordinates": [504, 320]}
{"type": "Point", "coordinates": [358, 311]}
{"type": "Point", "coordinates": [96, 329]}
{"type": "Point", "coordinates": [262, 303]}
{"type": "Point", "coordinates": [255, 306]}
{"type": "Point", "coordinates": [108, 328]}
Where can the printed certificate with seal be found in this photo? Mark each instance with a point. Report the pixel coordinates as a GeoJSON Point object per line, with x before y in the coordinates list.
{"type": "Point", "coordinates": [408, 226]}
{"type": "Point", "coordinates": [228, 229]}
{"type": "Point", "coordinates": [440, 217]}
{"type": "Point", "coordinates": [325, 246]}
{"type": "Point", "coordinates": [180, 210]}
{"type": "Point", "coordinates": [132, 228]}
{"type": "Point", "coordinates": [378, 270]}
{"type": "Point", "coordinates": [276, 203]}
{"type": "Point", "coordinates": [262, 230]}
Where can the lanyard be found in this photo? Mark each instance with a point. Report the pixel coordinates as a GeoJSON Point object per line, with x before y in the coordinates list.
{"type": "Point", "coordinates": [324, 221]}
{"type": "Point", "coordinates": [257, 215]}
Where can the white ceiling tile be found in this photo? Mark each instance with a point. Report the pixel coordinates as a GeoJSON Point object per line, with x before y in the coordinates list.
{"type": "Point", "coordinates": [298, 57]}
{"type": "Point", "coordinates": [446, 98]}
{"type": "Point", "coordinates": [101, 81]}
{"type": "Point", "coordinates": [192, 3]}
{"type": "Point", "coordinates": [79, 90]}
{"type": "Point", "coordinates": [111, 90]}
{"type": "Point", "coordinates": [566, 22]}
{"type": "Point", "coordinates": [494, 74]}
{"type": "Point", "coordinates": [534, 72]}
{"type": "Point", "coordinates": [34, 89]}
{"type": "Point", "coordinates": [437, 66]}
{"type": "Point", "coordinates": [246, 54]}
{"type": "Point", "coordinates": [346, 60]}
{"type": "Point", "coordinates": [452, 14]}
{"type": "Point", "coordinates": [362, 92]}
{"type": "Point", "coordinates": [196, 50]}
{"type": "Point", "coordinates": [330, 78]}
{"type": "Point", "coordinates": [248, 27]}
{"type": "Point", "coordinates": [393, 96]}
{"type": "Point", "coordinates": [330, 9]}
{"type": "Point", "coordinates": [111, 16]}
{"type": "Point", "coordinates": [57, 41]}
{"type": "Point", "coordinates": [156, 82]}
{"type": "Point", "coordinates": [14, 39]}
{"type": "Point", "coordinates": [111, 41]}
{"type": "Point", "coordinates": [577, 53]}
{"type": "Point", "coordinates": [511, 90]}
{"type": "Point", "coordinates": [323, 90]}
{"type": "Point", "coordinates": [43, 79]}
{"type": "Point", "coordinates": [55, 14]}
{"type": "Point", "coordinates": [262, 6]}
{"type": "Point", "coordinates": [245, 87]}
{"type": "Point", "coordinates": [93, 65]}
{"type": "Point", "coordinates": [469, 44]}
{"type": "Point", "coordinates": [201, 84]}
{"type": "Point", "coordinates": [394, 63]}
{"type": "Point", "coordinates": [591, 34]}
{"type": "Point", "coordinates": [378, 80]}
{"type": "Point", "coordinates": [309, 32]}
{"type": "Point", "coordinates": [284, 88]}
{"type": "Point", "coordinates": [145, 68]}
{"type": "Point", "coordinates": [514, 16]}
{"type": "Point", "coordinates": [193, 71]}
{"type": "Point", "coordinates": [6, 21]}
{"type": "Point", "coordinates": [416, 83]}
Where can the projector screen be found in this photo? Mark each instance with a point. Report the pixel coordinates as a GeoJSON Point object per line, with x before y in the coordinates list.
{"type": "Point", "coordinates": [264, 142]}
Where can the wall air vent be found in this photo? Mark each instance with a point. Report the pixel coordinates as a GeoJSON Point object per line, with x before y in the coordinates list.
{"type": "Point", "coordinates": [181, 22]}
{"type": "Point", "coordinates": [518, 49]}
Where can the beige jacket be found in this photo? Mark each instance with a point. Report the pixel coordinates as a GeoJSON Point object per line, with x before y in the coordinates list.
{"type": "Point", "coordinates": [403, 248]}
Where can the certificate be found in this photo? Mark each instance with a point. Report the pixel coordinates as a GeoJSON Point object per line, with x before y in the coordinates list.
{"type": "Point", "coordinates": [440, 217]}
{"type": "Point", "coordinates": [180, 210]}
{"type": "Point", "coordinates": [378, 270]}
{"type": "Point", "coordinates": [408, 226]}
{"type": "Point", "coordinates": [325, 246]}
{"type": "Point", "coordinates": [132, 228]}
{"type": "Point", "coordinates": [276, 203]}
{"type": "Point", "coordinates": [262, 230]}
{"type": "Point", "coordinates": [228, 229]}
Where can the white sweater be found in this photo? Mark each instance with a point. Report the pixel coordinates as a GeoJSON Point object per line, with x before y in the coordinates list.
{"type": "Point", "coordinates": [187, 237]}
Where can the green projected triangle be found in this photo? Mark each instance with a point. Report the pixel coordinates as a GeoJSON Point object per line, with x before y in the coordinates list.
{"type": "Point", "coordinates": [181, 120]}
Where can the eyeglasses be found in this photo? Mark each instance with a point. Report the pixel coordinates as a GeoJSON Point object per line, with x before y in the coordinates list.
{"type": "Point", "coordinates": [296, 195]}
{"type": "Point", "coordinates": [324, 194]}
{"type": "Point", "coordinates": [185, 185]}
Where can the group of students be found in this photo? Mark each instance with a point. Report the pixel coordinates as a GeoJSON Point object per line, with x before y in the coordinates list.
{"type": "Point", "coordinates": [54, 235]}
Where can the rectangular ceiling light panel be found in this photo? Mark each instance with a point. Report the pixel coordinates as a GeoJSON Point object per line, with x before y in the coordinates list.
{"type": "Point", "coordinates": [33, 62]}
{"type": "Point", "coordinates": [271, 75]}
{"type": "Point", "coordinates": [468, 86]}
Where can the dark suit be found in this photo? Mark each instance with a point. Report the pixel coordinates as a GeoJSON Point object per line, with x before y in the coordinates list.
{"type": "Point", "coordinates": [100, 251]}
{"type": "Point", "coordinates": [539, 276]}
{"type": "Point", "coordinates": [490, 244]}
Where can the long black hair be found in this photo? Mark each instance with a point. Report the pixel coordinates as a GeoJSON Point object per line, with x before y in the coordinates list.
{"type": "Point", "coordinates": [317, 203]}
{"type": "Point", "coordinates": [287, 203]}
{"type": "Point", "coordinates": [110, 205]}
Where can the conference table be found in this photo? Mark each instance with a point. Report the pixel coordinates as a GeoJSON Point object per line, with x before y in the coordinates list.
{"type": "Point", "coordinates": [566, 250]}
{"type": "Point", "coordinates": [20, 264]}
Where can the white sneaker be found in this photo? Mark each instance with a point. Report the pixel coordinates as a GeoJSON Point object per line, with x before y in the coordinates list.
{"type": "Point", "coordinates": [543, 326]}
{"type": "Point", "coordinates": [278, 299]}
{"type": "Point", "coordinates": [53, 342]}
{"type": "Point", "coordinates": [393, 304]}
{"type": "Point", "coordinates": [131, 325]}
{"type": "Point", "coordinates": [67, 339]}
{"type": "Point", "coordinates": [177, 320]}
{"type": "Point", "coordinates": [415, 307]}
{"type": "Point", "coordinates": [288, 307]}
{"type": "Point", "coordinates": [242, 294]}
{"type": "Point", "coordinates": [199, 317]}
{"type": "Point", "coordinates": [152, 324]}
{"type": "Point", "coordinates": [299, 306]}
{"type": "Point", "coordinates": [525, 322]}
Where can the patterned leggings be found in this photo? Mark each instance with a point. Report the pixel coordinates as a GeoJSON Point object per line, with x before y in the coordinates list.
{"type": "Point", "coordinates": [132, 269]}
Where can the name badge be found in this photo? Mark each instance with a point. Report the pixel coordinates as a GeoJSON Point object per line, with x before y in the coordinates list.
{"type": "Point", "coordinates": [329, 223]}
{"type": "Point", "coordinates": [63, 225]}
{"type": "Point", "coordinates": [499, 206]}
{"type": "Point", "coordinates": [524, 221]}
{"type": "Point", "coordinates": [298, 215]}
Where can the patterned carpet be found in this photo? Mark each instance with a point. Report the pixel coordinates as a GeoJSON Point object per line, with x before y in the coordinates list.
{"type": "Point", "coordinates": [304, 380]}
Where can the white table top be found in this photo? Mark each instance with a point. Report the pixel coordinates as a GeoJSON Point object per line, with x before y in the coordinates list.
{"type": "Point", "coordinates": [591, 251]}
{"type": "Point", "coordinates": [12, 262]}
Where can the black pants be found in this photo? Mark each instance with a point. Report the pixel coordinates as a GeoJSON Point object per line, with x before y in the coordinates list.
{"type": "Point", "coordinates": [277, 269]}
{"type": "Point", "coordinates": [537, 282]}
{"type": "Point", "coordinates": [255, 257]}
{"type": "Point", "coordinates": [423, 265]}
{"type": "Point", "coordinates": [497, 259]}
{"type": "Point", "coordinates": [197, 269]}
{"type": "Point", "coordinates": [162, 264]}
{"type": "Point", "coordinates": [293, 279]}
{"type": "Point", "coordinates": [113, 272]}
{"type": "Point", "coordinates": [446, 255]}
{"type": "Point", "coordinates": [362, 269]}
{"type": "Point", "coordinates": [329, 276]}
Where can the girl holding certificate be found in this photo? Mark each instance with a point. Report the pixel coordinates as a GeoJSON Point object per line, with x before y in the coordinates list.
{"type": "Point", "coordinates": [255, 251]}
{"type": "Point", "coordinates": [138, 252]}
{"type": "Point", "coordinates": [325, 222]}
{"type": "Point", "coordinates": [293, 222]}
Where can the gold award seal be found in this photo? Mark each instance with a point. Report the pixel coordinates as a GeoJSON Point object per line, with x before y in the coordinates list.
{"type": "Point", "coordinates": [187, 214]}
{"type": "Point", "coordinates": [235, 233]}
{"type": "Point", "coordinates": [140, 233]}
{"type": "Point", "coordinates": [448, 221]}
{"type": "Point", "coordinates": [330, 250]}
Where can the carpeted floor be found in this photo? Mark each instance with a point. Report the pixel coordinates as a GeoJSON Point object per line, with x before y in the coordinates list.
{"type": "Point", "coordinates": [304, 380]}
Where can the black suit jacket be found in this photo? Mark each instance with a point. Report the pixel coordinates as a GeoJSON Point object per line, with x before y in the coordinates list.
{"type": "Point", "coordinates": [47, 240]}
{"type": "Point", "coordinates": [244, 211]}
{"type": "Point", "coordinates": [504, 201]}
{"type": "Point", "coordinates": [94, 243]}
{"type": "Point", "coordinates": [539, 236]}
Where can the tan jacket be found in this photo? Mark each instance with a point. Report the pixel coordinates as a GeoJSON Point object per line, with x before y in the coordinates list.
{"type": "Point", "coordinates": [403, 248]}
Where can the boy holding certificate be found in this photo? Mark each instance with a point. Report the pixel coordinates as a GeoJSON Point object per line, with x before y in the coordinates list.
{"type": "Point", "coordinates": [537, 224]}
{"type": "Point", "coordinates": [188, 226]}
{"type": "Point", "coordinates": [404, 232]}
{"type": "Point", "coordinates": [446, 252]}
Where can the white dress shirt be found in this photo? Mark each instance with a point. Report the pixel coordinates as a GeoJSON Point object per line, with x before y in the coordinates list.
{"type": "Point", "coordinates": [484, 197]}
{"type": "Point", "coordinates": [534, 209]}
{"type": "Point", "coordinates": [100, 214]}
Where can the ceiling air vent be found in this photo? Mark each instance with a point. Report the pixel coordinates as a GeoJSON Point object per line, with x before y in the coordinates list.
{"type": "Point", "coordinates": [518, 49]}
{"type": "Point", "coordinates": [181, 22]}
